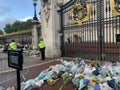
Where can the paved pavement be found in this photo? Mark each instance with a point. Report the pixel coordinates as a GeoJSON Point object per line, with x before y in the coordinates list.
{"type": "Point", "coordinates": [9, 78]}
{"type": "Point", "coordinates": [32, 67]}
{"type": "Point", "coordinates": [28, 61]}
{"type": "Point", "coordinates": [8, 75]}
{"type": "Point", "coordinates": [31, 72]}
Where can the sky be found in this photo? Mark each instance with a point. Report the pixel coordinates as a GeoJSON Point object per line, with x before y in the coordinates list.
{"type": "Point", "coordinates": [21, 10]}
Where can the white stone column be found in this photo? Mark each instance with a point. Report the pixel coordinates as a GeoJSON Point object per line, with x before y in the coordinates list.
{"type": "Point", "coordinates": [50, 28]}
{"type": "Point", "coordinates": [35, 35]}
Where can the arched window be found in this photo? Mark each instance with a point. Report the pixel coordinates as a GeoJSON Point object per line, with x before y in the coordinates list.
{"type": "Point", "coordinates": [75, 38]}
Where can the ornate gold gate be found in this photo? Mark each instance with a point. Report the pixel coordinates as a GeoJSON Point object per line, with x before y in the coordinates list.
{"type": "Point", "coordinates": [91, 29]}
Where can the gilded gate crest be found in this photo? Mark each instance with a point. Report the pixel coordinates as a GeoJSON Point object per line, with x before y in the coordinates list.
{"type": "Point", "coordinates": [80, 13]}
{"type": "Point", "coordinates": [115, 7]}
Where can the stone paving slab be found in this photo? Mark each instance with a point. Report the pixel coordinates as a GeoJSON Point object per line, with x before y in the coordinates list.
{"type": "Point", "coordinates": [9, 78]}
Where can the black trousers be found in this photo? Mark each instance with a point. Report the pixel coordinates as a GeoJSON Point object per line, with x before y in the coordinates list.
{"type": "Point", "coordinates": [42, 50]}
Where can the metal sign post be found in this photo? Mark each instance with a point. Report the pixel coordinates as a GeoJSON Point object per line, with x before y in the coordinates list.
{"type": "Point", "coordinates": [15, 60]}
{"type": "Point", "coordinates": [18, 79]}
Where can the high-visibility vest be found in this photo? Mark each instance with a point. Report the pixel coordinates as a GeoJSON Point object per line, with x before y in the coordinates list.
{"type": "Point", "coordinates": [13, 45]}
{"type": "Point", "coordinates": [41, 44]}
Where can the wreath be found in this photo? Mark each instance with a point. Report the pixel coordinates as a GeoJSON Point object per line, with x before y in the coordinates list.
{"type": "Point", "coordinates": [80, 13]}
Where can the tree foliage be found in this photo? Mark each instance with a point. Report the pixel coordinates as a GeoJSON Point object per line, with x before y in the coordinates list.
{"type": "Point", "coordinates": [8, 28]}
{"type": "Point", "coordinates": [27, 25]}
{"type": "Point", "coordinates": [18, 26]}
{"type": "Point", "coordinates": [1, 32]}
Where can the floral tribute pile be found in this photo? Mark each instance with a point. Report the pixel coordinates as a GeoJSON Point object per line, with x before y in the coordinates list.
{"type": "Point", "coordinates": [84, 76]}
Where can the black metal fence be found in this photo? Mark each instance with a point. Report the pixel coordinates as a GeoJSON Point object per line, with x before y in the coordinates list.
{"type": "Point", "coordinates": [91, 29]}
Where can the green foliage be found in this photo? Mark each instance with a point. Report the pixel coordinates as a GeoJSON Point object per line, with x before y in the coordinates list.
{"type": "Point", "coordinates": [18, 26]}
{"type": "Point", "coordinates": [27, 25]}
{"type": "Point", "coordinates": [1, 32]}
{"type": "Point", "coordinates": [8, 28]}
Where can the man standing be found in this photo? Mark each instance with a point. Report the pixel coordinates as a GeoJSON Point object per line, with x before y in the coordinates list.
{"type": "Point", "coordinates": [42, 49]}
{"type": "Point", "coordinates": [13, 45]}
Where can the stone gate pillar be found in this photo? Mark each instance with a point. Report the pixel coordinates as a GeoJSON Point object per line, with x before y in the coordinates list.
{"type": "Point", "coordinates": [35, 34]}
{"type": "Point", "coordinates": [50, 27]}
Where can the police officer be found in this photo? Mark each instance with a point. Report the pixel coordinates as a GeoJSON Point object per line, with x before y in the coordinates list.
{"type": "Point", "coordinates": [42, 49]}
{"type": "Point", "coordinates": [13, 45]}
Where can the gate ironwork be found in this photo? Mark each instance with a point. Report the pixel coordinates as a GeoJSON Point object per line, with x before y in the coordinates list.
{"type": "Point", "coordinates": [94, 37]}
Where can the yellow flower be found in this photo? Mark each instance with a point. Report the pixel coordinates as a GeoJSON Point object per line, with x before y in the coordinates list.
{"type": "Point", "coordinates": [51, 82]}
{"type": "Point", "coordinates": [108, 78]}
